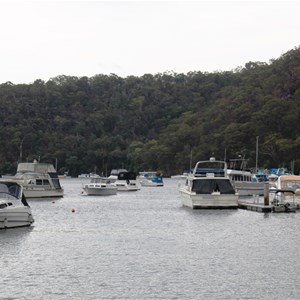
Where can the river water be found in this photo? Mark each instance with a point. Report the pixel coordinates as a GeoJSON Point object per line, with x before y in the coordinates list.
{"type": "Point", "coordinates": [145, 245]}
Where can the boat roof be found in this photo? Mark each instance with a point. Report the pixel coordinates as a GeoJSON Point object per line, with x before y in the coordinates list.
{"type": "Point", "coordinates": [117, 171]}
{"type": "Point", "coordinates": [35, 167]}
{"type": "Point", "coordinates": [289, 177]}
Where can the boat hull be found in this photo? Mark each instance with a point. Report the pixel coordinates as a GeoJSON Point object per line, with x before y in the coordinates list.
{"type": "Point", "coordinates": [15, 217]}
{"type": "Point", "coordinates": [199, 201]}
{"type": "Point", "coordinates": [125, 188]}
{"type": "Point", "coordinates": [42, 193]}
{"type": "Point", "coordinates": [150, 183]}
{"type": "Point", "coordinates": [98, 191]}
{"type": "Point", "coordinates": [249, 188]}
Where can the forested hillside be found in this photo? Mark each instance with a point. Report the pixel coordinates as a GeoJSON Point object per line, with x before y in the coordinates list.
{"type": "Point", "coordinates": [155, 122]}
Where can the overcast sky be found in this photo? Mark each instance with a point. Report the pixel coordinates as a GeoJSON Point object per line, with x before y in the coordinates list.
{"type": "Point", "coordinates": [44, 39]}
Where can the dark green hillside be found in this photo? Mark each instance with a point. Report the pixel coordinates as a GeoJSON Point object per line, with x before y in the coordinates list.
{"type": "Point", "coordinates": [155, 122]}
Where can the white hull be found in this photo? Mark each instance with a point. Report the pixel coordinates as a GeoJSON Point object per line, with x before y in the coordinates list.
{"type": "Point", "coordinates": [249, 188]}
{"type": "Point", "coordinates": [100, 191]}
{"type": "Point", "coordinates": [15, 217]}
{"type": "Point", "coordinates": [124, 187]}
{"type": "Point", "coordinates": [150, 183]}
{"type": "Point", "coordinates": [195, 201]}
{"type": "Point", "coordinates": [42, 193]}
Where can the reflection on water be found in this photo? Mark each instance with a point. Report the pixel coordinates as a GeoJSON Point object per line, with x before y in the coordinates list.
{"type": "Point", "coordinates": [145, 245]}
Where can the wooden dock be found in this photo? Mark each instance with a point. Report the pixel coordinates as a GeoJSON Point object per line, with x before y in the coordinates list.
{"type": "Point", "coordinates": [254, 206]}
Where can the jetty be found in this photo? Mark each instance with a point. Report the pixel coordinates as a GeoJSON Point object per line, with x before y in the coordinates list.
{"type": "Point", "coordinates": [262, 204]}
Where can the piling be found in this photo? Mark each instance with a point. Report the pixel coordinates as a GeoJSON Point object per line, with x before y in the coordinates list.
{"type": "Point", "coordinates": [266, 194]}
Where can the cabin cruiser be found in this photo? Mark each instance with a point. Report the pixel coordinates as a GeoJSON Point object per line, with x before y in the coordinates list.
{"type": "Point", "coordinates": [244, 181]}
{"type": "Point", "coordinates": [39, 180]}
{"type": "Point", "coordinates": [14, 209]}
{"type": "Point", "coordinates": [100, 186]}
{"type": "Point", "coordinates": [209, 186]}
{"type": "Point", "coordinates": [150, 179]}
{"type": "Point", "coordinates": [290, 184]}
{"type": "Point", "coordinates": [125, 181]}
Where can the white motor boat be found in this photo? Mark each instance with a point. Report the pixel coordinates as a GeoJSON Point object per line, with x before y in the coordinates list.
{"type": "Point", "coordinates": [100, 186]}
{"type": "Point", "coordinates": [126, 182]}
{"type": "Point", "coordinates": [14, 209]}
{"type": "Point", "coordinates": [244, 181]}
{"type": "Point", "coordinates": [289, 182]}
{"type": "Point", "coordinates": [150, 179]}
{"type": "Point", "coordinates": [209, 186]}
{"type": "Point", "coordinates": [291, 185]}
{"type": "Point", "coordinates": [39, 180]}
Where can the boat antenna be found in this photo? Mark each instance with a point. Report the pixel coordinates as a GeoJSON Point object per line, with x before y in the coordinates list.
{"type": "Point", "coordinates": [191, 157]}
{"type": "Point", "coordinates": [256, 161]}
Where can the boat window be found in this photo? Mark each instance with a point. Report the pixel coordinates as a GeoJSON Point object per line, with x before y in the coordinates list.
{"type": "Point", "coordinates": [3, 205]}
{"type": "Point", "coordinates": [39, 182]}
{"type": "Point", "coordinates": [46, 182]}
{"type": "Point", "coordinates": [3, 188]}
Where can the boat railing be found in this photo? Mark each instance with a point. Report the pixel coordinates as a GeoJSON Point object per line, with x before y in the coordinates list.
{"type": "Point", "coordinates": [280, 196]}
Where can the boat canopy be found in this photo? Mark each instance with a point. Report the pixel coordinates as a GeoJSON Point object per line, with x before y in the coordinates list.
{"type": "Point", "coordinates": [35, 168]}
{"type": "Point", "coordinates": [290, 182]}
{"type": "Point", "coordinates": [117, 171]}
{"type": "Point", "coordinates": [209, 186]}
{"type": "Point", "coordinates": [127, 176]}
{"type": "Point", "coordinates": [11, 188]}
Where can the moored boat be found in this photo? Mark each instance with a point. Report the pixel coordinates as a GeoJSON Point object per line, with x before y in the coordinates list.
{"type": "Point", "coordinates": [100, 186]}
{"type": "Point", "coordinates": [125, 181]}
{"type": "Point", "coordinates": [39, 180]}
{"type": "Point", "coordinates": [244, 181]}
{"type": "Point", "coordinates": [209, 186]}
{"type": "Point", "coordinates": [150, 179]}
{"type": "Point", "coordinates": [14, 209]}
{"type": "Point", "coordinates": [290, 184]}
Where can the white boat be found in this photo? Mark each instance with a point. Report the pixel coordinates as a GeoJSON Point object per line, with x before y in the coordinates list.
{"type": "Point", "coordinates": [209, 186]}
{"type": "Point", "coordinates": [289, 182]}
{"type": "Point", "coordinates": [150, 179]}
{"type": "Point", "coordinates": [125, 181]}
{"type": "Point", "coordinates": [244, 181]}
{"type": "Point", "coordinates": [14, 209]}
{"type": "Point", "coordinates": [100, 186]}
{"type": "Point", "coordinates": [39, 180]}
{"type": "Point", "coordinates": [291, 185]}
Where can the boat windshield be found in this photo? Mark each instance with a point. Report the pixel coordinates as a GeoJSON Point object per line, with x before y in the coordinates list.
{"type": "Point", "coordinates": [11, 188]}
{"type": "Point", "coordinates": [205, 167]}
{"type": "Point", "coordinates": [210, 185]}
{"type": "Point", "coordinates": [291, 184]}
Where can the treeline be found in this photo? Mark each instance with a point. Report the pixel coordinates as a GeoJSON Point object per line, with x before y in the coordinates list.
{"type": "Point", "coordinates": [155, 122]}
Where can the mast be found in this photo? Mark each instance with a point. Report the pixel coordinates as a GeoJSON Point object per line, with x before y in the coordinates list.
{"type": "Point", "coordinates": [256, 161]}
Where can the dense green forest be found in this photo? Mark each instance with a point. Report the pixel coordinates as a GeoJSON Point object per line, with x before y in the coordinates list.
{"type": "Point", "coordinates": [155, 122]}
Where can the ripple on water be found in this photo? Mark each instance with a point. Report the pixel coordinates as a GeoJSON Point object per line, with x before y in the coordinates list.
{"type": "Point", "coordinates": [145, 245]}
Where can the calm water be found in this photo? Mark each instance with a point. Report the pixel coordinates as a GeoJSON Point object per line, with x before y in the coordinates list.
{"type": "Point", "coordinates": [145, 245]}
